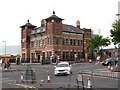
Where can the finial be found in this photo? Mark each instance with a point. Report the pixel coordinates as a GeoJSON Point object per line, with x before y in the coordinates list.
{"type": "Point", "coordinates": [28, 20]}
{"type": "Point", "coordinates": [54, 12]}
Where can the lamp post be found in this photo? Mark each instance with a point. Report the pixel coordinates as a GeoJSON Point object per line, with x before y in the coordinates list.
{"type": "Point", "coordinates": [117, 27]}
{"type": "Point", "coordinates": [6, 66]}
{"type": "Point", "coordinates": [5, 48]}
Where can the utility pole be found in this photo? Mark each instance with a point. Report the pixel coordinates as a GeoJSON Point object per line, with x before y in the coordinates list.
{"type": "Point", "coordinates": [5, 48]}
{"type": "Point", "coordinates": [118, 11]}
{"type": "Point", "coordinates": [118, 43]}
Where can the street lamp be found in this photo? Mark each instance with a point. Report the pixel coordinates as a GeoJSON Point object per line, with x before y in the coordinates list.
{"type": "Point", "coordinates": [5, 47]}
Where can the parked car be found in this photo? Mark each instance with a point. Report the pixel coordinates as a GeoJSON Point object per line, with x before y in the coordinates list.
{"type": "Point", "coordinates": [63, 68]}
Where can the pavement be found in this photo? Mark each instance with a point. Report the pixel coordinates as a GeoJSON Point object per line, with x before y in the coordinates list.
{"type": "Point", "coordinates": [104, 72]}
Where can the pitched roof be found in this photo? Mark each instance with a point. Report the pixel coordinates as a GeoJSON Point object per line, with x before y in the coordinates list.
{"type": "Point", "coordinates": [53, 17]}
{"type": "Point", "coordinates": [65, 28]}
{"type": "Point", "coordinates": [27, 24]}
{"type": "Point", "coordinates": [38, 30]}
{"type": "Point", "coordinates": [70, 28]}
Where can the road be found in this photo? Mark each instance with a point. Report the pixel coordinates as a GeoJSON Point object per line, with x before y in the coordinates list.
{"type": "Point", "coordinates": [13, 77]}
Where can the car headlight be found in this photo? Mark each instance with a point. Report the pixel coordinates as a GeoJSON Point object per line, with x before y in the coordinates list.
{"type": "Point", "coordinates": [66, 70]}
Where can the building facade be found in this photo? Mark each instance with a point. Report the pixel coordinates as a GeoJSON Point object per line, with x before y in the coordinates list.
{"type": "Point", "coordinates": [53, 39]}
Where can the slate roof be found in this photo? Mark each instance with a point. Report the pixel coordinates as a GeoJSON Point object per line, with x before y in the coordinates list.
{"type": "Point", "coordinates": [65, 28]}
{"type": "Point", "coordinates": [38, 30]}
{"type": "Point", "coordinates": [70, 29]}
{"type": "Point", "coordinates": [53, 17]}
{"type": "Point", "coordinates": [28, 24]}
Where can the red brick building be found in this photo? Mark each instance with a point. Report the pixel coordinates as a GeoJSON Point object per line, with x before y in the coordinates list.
{"type": "Point", "coordinates": [53, 39]}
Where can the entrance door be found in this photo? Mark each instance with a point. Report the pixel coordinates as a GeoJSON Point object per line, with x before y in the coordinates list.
{"type": "Point", "coordinates": [38, 57]}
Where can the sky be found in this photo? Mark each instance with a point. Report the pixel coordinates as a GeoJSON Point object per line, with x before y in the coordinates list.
{"type": "Point", "coordinates": [97, 15]}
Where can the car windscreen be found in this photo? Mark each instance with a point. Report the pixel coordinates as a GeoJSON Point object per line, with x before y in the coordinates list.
{"type": "Point", "coordinates": [62, 65]}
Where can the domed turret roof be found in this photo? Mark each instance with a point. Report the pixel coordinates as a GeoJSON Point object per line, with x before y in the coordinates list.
{"type": "Point", "coordinates": [27, 24]}
{"type": "Point", "coordinates": [53, 17]}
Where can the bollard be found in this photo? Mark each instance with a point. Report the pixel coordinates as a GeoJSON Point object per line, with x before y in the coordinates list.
{"type": "Point", "coordinates": [89, 83]}
{"type": "Point", "coordinates": [109, 67]}
{"type": "Point", "coordinates": [48, 78]}
{"type": "Point", "coordinates": [21, 77]}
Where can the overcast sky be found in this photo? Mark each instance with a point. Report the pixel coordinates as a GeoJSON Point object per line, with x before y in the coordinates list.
{"type": "Point", "coordinates": [94, 14]}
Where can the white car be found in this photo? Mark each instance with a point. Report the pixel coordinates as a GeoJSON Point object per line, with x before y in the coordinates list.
{"type": "Point", "coordinates": [62, 68]}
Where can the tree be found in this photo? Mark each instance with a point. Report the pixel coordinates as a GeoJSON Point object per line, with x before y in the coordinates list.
{"type": "Point", "coordinates": [115, 32]}
{"type": "Point", "coordinates": [18, 56]}
{"type": "Point", "coordinates": [98, 42]}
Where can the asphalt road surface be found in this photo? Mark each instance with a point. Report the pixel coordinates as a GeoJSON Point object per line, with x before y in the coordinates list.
{"type": "Point", "coordinates": [12, 79]}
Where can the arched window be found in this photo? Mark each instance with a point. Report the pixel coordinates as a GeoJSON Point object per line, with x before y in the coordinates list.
{"type": "Point", "coordinates": [66, 41]}
{"type": "Point", "coordinates": [57, 41]}
{"type": "Point", "coordinates": [48, 41]}
{"type": "Point", "coordinates": [70, 41]}
{"type": "Point", "coordinates": [74, 42]}
{"type": "Point", "coordinates": [63, 41]}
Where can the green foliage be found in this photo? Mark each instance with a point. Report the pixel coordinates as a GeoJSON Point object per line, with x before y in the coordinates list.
{"type": "Point", "coordinates": [97, 42]}
{"type": "Point", "coordinates": [18, 56]}
{"type": "Point", "coordinates": [115, 32]}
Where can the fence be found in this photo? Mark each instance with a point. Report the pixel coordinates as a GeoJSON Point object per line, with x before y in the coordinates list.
{"type": "Point", "coordinates": [99, 79]}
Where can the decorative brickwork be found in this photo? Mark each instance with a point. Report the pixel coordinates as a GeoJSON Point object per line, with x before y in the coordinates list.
{"type": "Point", "coordinates": [53, 39]}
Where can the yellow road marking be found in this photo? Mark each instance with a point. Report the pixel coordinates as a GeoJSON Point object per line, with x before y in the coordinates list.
{"type": "Point", "coordinates": [27, 86]}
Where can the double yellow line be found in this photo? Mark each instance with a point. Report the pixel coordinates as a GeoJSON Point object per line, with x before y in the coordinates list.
{"type": "Point", "coordinates": [27, 86]}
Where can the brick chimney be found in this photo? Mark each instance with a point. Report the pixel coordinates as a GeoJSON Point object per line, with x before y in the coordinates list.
{"type": "Point", "coordinates": [78, 24]}
{"type": "Point", "coordinates": [43, 22]}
